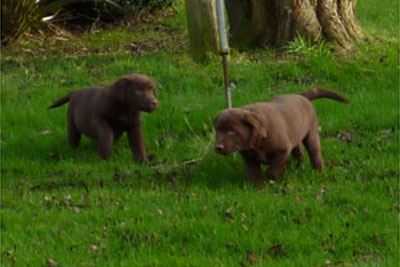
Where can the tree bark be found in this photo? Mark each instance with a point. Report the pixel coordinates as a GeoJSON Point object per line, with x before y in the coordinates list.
{"type": "Point", "coordinates": [276, 22]}
{"type": "Point", "coordinates": [250, 19]}
{"type": "Point", "coordinates": [203, 28]}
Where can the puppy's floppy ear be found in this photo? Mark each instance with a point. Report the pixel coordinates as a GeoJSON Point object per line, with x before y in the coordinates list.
{"type": "Point", "coordinates": [254, 120]}
{"type": "Point", "coordinates": [216, 120]}
{"type": "Point", "coordinates": [122, 82]}
{"type": "Point", "coordinates": [118, 88]}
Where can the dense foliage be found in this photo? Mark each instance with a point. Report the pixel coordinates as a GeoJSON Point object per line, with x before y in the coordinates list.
{"type": "Point", "coordinates": [104, 12]}
{"type": "Point", "coordinates": [21, 16]}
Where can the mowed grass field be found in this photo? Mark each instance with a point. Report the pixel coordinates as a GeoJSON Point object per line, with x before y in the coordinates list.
{"type": "Point", "coordinates": [190, 206]}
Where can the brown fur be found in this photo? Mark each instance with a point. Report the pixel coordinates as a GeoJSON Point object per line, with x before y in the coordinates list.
{"type": "Point", "coordinates": [106, 113]}
{"type": "Point", "coordinates": [267, 133]}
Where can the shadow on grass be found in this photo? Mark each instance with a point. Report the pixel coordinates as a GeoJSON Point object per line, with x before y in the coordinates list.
{"type": "Point", "coordinates": [55, 164]}
{"type": "Point", "coordinates": [216, 171]}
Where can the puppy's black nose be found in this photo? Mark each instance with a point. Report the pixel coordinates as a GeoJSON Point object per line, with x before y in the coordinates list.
{"type": "Point", "coordinates": [219, 148]}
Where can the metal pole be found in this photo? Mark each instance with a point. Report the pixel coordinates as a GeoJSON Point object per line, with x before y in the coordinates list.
{"type": "Point", "coordinates": [226, 75]}
{"type": "Point", "coordinates": [224, 49]}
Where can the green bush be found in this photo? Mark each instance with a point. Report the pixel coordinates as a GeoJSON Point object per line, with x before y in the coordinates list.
{"type": "Point", "coordinates": [139, 6]}
{"type": "Point", "coordinates": [128, 8]}
{"type": "Point", "coordinates": [19, 16]}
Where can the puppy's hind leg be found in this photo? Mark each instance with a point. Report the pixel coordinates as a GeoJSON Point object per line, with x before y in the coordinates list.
{"type": "Point", "coordinates": [298, 153]}
{"type": "Point", "coordinates": [74, 135]}
{"type": "Point", "coordinates": [313, 146]}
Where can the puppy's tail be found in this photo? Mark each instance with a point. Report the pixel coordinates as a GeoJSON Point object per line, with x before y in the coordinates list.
{"type": "Point", "coordinates": [60, 101]}
{"type": "Point", "coordinates": [315, 93]}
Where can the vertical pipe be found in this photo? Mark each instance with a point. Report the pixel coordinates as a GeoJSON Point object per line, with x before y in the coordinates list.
{"type": "Point", "coordinates": [226, 76]}
{"type": "Point", "coordinates": [221, 27]}
{"type": "Point", "coordinates": [224, 48]}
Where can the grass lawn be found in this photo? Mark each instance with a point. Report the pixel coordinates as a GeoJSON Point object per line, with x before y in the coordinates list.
{"type": "Point", "coordinates": [190, 206]}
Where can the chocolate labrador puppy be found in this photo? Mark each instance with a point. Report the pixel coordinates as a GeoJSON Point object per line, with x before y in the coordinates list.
{"type": "Point", "coordinates": [267, 133]}
{"type": "Point", "coordinates": [106, 113]}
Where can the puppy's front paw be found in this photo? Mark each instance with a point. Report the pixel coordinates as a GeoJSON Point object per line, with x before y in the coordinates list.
{"type": "Point", "coordinates": [257, 182]}
{"type": "Point", "coordinates": [104, 154]}
{"type": "Point", "coordinates": [140, 159]}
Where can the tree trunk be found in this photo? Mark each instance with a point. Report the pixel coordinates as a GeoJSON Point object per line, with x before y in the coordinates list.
{"type": "Point", "coordinates": [203, 28]}
{"type": "Point", "coordinates": [277, 22]}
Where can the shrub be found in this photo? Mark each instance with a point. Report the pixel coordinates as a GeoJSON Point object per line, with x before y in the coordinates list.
{"type": "Point", "coordinates": [108, 13]}
{"type": "Point", "coordinates": [19, 16]}
{"type": "Point", "coordinates": [139, 6]}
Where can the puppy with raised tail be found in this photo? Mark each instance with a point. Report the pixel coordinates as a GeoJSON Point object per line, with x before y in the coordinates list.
{"type": "Point", "coordinates": [106, 113]}
{"type": "Point", "coordinates": [269, 132]}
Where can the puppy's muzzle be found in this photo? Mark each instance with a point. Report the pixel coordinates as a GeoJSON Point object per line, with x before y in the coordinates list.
{"type": "Point", "coordinates": [153, 105]}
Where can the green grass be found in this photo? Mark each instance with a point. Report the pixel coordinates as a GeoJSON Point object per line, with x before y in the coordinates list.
{"type": "Point", "coordinates": [76, 209]}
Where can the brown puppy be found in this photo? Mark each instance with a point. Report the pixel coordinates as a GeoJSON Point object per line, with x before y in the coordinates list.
{"type": "Point", "coordinates": [106, 113]}
{"type": "Point", "coordinates": [269, 132]}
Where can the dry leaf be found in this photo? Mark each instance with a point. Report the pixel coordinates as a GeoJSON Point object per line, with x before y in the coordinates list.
{"type": "Point", "coordinates": [251, 257]}
{"type": "Point", "coordinates": [45, 132]}
{"type": "Point", "coordinates": [276, 249]}
{"type": "Point", "coordinates": [94, 248]}
{"type": "Point", "coordinates": [228, 212]}
{"type": "Point", "coordinates": [51, 262]}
